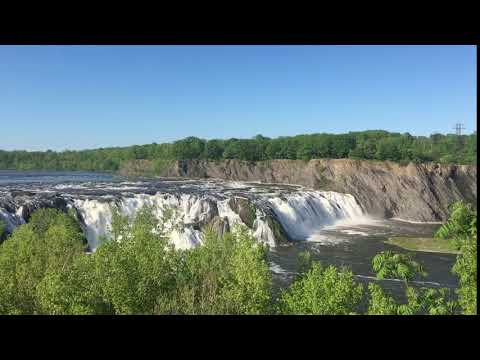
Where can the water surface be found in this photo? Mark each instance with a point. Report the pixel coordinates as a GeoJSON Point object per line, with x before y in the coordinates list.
{"type": "Point", "coordinates": [342, 243]}
{"type": "Point", "coordinates": [10, 177]}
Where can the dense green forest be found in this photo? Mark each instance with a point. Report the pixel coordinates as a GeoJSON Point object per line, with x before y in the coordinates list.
{"type": "Point", "coordinates": [45, 270]}
{"type": "Point", "coordinates": [373, 145]}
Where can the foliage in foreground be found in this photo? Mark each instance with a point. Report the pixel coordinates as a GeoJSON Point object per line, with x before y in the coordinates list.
{"type": "Point", "coordinates": [47, 245]}
{"type": "Point", "coordinates": [44, 270]}
{"type": "Point", "coordinates": [462, 227]}
{"type": "Point", "coordinates": [388, 264]}
{"type": "Point", "coordinates": [420, 301]}
{"type": "Point", "coordinates": [226, 275]}
{"type": "Point", "coordinates": [322, 291]}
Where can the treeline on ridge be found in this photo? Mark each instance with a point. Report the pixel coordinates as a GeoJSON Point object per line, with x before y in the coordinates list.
{"type": "Point", "coordinates": [368, 145]}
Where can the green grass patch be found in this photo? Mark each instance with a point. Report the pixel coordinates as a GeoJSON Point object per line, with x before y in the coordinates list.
{"type": "Point", "coordinates": [429, 244]}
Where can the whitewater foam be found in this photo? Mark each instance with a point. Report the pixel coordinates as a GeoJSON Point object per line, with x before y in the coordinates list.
{"type": "Point", "coordinates": [301, 213]}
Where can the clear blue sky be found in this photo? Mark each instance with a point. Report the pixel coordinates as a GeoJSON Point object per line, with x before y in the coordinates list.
{"type": "Point", "coordinates": [76, 97]}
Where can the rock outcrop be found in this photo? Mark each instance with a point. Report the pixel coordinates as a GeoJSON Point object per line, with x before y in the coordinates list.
{"type": "Point", "coordinates": [247, 212]}
{"type": "Point", "coordinates": [218, 225]}
{"type": "Point", "coordinates": [245, 209]}
{"type": "Point", "coordinates": [416, 192]}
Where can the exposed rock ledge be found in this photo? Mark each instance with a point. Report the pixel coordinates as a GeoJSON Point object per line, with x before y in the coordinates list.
{"type": "Point", "coordinates": [416, 192]}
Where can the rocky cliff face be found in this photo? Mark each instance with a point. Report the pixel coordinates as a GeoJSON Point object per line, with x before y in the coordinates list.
{"type": "Point", "coordinates": [416, 192]}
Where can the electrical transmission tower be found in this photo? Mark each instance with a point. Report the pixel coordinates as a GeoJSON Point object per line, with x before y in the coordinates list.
{"type": "Point", "coordinates": [458, 128]}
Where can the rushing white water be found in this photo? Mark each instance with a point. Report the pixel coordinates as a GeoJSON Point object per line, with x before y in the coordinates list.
{"type": "Point", "coordinates": [188, 210]}
{"type": "Point", "coordinates": [225, 211]}
{"type": "Point", "coordinates": [186, 239]}
{"type": "Point", "coordinates": [97, 217]}
{"type": "Point", "coordinates": [303, 213]}
{"type": "Point", "coordinates": [300, 213]}
{"type": "Point", "coordinates": [263, 232]}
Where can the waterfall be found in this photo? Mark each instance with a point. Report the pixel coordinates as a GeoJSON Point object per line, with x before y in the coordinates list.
{"type": "Point", "coordinates": [303, 213]}
{"type": "Point", "coordinates": [97, 217]}
{"type": "Point", "coordinates": [189, 210]}
{"type": "Point", "coordinates": [225, 211]}
{"type": "Point", "coordinates": [263, 232]}
{"type": "Point", "coordinates": [297, 214]}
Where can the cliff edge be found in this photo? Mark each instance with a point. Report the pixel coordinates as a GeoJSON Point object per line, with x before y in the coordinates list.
{"type": "Point", "coordinates": [415, 192]}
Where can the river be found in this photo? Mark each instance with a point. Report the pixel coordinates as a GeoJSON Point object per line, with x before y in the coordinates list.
{"type": "Point", "coordinates": [332, 226]}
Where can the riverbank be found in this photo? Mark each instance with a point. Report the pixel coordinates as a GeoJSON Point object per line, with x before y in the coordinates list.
{"type": "Point", "coordinates": [427, 244]}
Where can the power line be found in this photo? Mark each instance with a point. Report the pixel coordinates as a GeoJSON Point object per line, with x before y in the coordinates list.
{"type": "Point", "coordinates": [458, 128]}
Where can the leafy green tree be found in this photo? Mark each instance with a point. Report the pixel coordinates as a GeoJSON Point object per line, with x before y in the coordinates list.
{"type": "Point", "coordinates": [388, 264]}
{"type": "Point", "coordinates": [379, 302]}
{"type": "Point", "coordinates": [419, 302]}
{"type": "Point", "coordinates": [341, 145]}
{"type": "Point", "coordinates": [189, 148]}
{"type": "Point", "coordinates": [273, 149]}
{"type": "Point", "coordinates": [466, 269]}
{"type": "Point", "coordinates": [388, 149]}
{"type": "Point", "coordinates": [434, 302]}
{"type": "Point", "coordinates": [49, 243]}
{"type": "Point", "coordinates": [462, 227]}
{"type": "Point", "coordinates": [130, 274]}
{"type": "Point", "coordinates": [305, 152]}
{"type": "Point", "coordinates": [321, 291]}
{"type": "Point", "coordinates": [139, 272]}
{"type": "Point", "coordinates": [214, 149]}
{"type": "Point", "coordinates": [356, 153]}
{"type": "Point", "coordinates": [231, 150]}
{"type": "Point", "coordinates": [226, 275]}
{"type": "Point", "coordinates": [136, 271]}
{"type": "Point", "coordinates": [371, 144]}
{"type": "Point", "coordinates": [76, 291]}
{"type": "Point", "coordinates": [248, 289]}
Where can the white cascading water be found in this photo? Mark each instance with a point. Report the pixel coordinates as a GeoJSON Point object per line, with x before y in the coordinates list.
{"type": "Point", "coordinates": [186, 238]}
{"type": "Point", "coordinates": [189, 209]}
{"type": "Point", "coordinates": [97, 217]}
{"type": "Point", "coordinates": [304, 213]}
{"type": "Point", "coordinates": [224, 211]}
{"type": "Point", "coordinates": [301, 213]}
{"type": "Point", "coordinates": [263, 231]}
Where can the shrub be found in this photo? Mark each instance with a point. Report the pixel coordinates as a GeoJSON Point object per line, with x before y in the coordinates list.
{"type": "Point", "coordinates": [322, 291]}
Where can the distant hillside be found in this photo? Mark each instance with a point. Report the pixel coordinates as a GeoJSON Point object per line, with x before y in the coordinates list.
{"type": "Point", "coordinates": [367, 145]}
